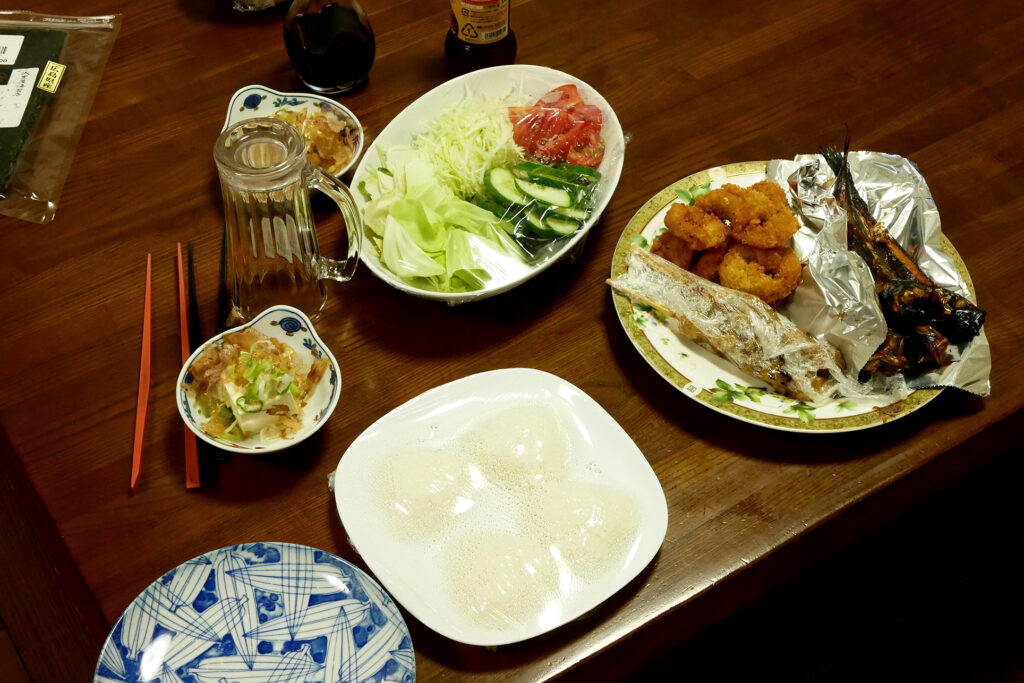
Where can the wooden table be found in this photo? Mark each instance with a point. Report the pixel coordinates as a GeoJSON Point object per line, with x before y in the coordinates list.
{"type": "Point", "coordinates": [695, 86]}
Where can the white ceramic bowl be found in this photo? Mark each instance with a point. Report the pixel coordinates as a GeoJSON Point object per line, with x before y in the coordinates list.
{"type": "Point", "coordinates": [289, 326]}
{"type": "Point", "coordinates": [494, 82]}
{"type": "Point", "coordinates": [259, 101]}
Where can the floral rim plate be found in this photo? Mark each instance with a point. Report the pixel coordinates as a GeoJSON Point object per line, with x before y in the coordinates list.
{"type": "Point", "coordinates": [289, 326]}
{"type": "Point", "coordinates": [713, 381]}
{"type": "Point", "coordinates": [414, 571]}
{"type": "Point", "coordinates": [256, 101]}
{"type": "Point", "coordinates": [494, 82]}
{"type": "Point", "coordinates": [260, 612]}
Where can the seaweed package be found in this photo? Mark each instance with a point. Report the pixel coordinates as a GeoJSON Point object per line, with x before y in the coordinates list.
{"type": "Point", "coordinates": [50, 68]}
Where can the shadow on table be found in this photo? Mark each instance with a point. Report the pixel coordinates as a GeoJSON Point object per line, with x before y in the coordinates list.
{"type": "Point", "coordinates": [390, 317]}
{"type": "Point", "coordinates": [247, 477]}
{"type": "Point", "coordinates": [223, 12]}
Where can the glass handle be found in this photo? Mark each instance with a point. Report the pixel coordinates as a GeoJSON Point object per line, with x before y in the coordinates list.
{"type": "Point", "coordinates": [341, 271]}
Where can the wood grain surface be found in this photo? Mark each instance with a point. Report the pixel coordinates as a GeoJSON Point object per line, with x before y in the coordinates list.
{"type": "Point", "coordinates": [694, 85]}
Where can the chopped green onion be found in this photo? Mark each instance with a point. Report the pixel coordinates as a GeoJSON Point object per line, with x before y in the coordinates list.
{"type": "Point", "coordinates": [249, 406]}
{"type": "Point", "coordinates": [294, 390]}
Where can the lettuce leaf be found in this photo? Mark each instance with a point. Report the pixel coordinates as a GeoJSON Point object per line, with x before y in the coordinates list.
{"type": "Point", "coordinates": [428, 236]}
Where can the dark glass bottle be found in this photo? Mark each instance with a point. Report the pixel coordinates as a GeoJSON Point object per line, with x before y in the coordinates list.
{"type": "Point", "coordinates": [331, 44]}
{"type": "Point", "coordinates": [480, 35]}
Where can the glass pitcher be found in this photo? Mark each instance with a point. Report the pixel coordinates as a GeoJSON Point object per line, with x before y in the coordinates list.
{"type": "Point", "coordinates": [272, 252]}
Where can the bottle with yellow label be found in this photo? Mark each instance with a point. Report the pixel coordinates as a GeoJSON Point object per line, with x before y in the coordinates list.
{"type": "Point", "coordinates": [480, 35]}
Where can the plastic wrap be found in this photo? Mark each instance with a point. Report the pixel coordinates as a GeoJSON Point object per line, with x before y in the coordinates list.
{"type": "Point", "coordinates": [744, 330]}
{"type": "Point", "coordinates": [509, 514]}
{"type": "Point", "coordinates": [52, 66]}
{"type": "Point", "coordinates": [491, 189]}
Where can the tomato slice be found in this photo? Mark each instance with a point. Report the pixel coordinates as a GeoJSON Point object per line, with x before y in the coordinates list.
{"type": "Point", "coordinates": [588, 112]}
{"type": "Point", "coordinates": [560, 127]}
{"type": "Point", "coordinates": [563, 97]}
{"type": "Point", "coordinates": [532, 126]}
{"type": "Point", "coordinates": [587, 156]}
{"type": "Point", "coordinates": [558, 146]}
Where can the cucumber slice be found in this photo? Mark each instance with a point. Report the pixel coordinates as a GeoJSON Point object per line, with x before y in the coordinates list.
{"type": "Point", "coordinates": [537, 224]}
{"type": "Point", "coordinates": [560, 226]}
{"type": "Point", "coordinates": [580, 171]}
{"type": "Point", "coordinates": [545, 175]}
{"type": "Point", "coordinates": [494, 207]}
{"type": "Point", "coordinates": [502, 185]}
{"type": "Point", "coordinates": [576, 213]}
{"type": "Point", "coordinates": [549, 195]}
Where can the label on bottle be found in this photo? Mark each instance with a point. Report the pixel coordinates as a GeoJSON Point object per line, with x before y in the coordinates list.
{"type": "Point", "coordinates": [480, 22]}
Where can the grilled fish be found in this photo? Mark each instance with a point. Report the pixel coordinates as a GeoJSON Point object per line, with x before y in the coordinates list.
{"type": "Point", "coordinates": [923, 318]}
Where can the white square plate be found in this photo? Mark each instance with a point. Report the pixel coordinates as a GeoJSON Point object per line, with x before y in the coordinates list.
{"type": "Point", "coordinates": [414, 573]}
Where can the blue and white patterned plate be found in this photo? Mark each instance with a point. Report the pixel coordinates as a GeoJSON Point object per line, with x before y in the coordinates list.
{"type": "Point", "coordinates": [255, 101]}
{"type": "Point", "coordinates": [289, 326]}
{"type": "Point", "coordinates": [256, 613]}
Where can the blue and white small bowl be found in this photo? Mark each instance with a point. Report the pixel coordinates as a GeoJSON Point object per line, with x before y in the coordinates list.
{"type": "Point", "coordinates": [258, 101]}
{"type": "Point", "coordinates": [289, 326]}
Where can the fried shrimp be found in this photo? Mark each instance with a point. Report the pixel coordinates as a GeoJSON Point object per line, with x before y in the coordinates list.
{"type": "Point", "coordinates": [769, 274]}
{"type": "Point", "coordinates": [695, 226]}
{"type": "Point", "coordinates": [672, 248]}
{"type": "Point", "coordinates": [709, 262]}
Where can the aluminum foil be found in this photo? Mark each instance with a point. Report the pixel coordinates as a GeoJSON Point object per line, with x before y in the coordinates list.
{"type": "Point", "coordinates": [836, 300]}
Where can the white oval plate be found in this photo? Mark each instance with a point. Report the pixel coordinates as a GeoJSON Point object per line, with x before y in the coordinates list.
{"type": "Point", "coordinates": [714, 381]}
{"type": "Point", "coordinates": [289, 326]}
{"type": "Point", "coordinates": [602, 451]}
{"type": "Point", "coordinates": [260, 612]}
{"type": "Point", "coordinates": [493, 82]}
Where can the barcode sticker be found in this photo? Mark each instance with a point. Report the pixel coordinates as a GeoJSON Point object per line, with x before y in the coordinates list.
{"type": "Point", "coordinates": [10, 46]}
{"type": "Point", "coordinates": [492, 35]}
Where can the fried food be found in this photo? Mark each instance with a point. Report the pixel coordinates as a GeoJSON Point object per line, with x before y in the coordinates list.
{"type": "Point", "coordinates": [769, 274]}
{"type": "Point", "coordinates": [672, 248]}
{"type": "Point", "coordinates": [708, 263]}
{"type": "Point", "coordinates": [728, 203]}
{"type": "Point", "coordinates": [695, 226]}
{"type": "Point", "coordinates": [770, 190]}
{"type": "Point", "coordinates": [737, 326]}
{"type": "Point", "coordinates": [758, 215]}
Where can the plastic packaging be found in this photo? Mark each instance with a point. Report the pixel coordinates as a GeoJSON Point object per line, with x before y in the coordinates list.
{"type": "Point", "coordinates": [52, 66]}
{"type": "Point", "coordinates": [510, 514]}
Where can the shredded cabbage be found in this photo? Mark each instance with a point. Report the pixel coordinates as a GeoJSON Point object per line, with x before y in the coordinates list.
{"type": "Point", "coordinates": [468, 138]}
{"type": "Point", "coordinates": [427, 235]}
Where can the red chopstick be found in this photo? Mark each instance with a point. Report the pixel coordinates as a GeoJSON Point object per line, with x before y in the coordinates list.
{"type": "Point", "coordinates": [140, 409]}
{"type": "Point", "coordinates": [191, 454]}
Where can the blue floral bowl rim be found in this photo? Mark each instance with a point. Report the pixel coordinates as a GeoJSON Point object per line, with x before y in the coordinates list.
{"type": "Point", "coordinates": [280, 444]}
